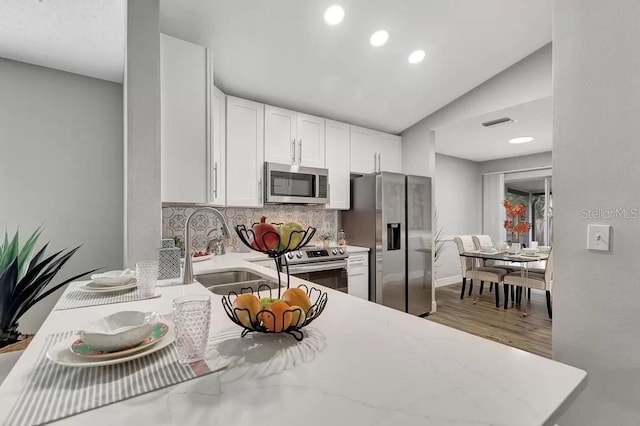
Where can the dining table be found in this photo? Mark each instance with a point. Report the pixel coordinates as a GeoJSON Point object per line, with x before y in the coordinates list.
{"type": "Point", "coordinates": [507, 258]}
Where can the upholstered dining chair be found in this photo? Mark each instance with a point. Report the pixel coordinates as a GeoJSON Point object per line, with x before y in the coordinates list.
{"type": "Point", "coordinates": [485, 240]}
{"type": "Point", "coordinates": [534, 280]}
{"type": "Point", "coordinates": [482, 273]}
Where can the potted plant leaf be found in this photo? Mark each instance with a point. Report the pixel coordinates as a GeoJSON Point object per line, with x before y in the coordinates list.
{"type": "Point", "coordinates": [24, 278]}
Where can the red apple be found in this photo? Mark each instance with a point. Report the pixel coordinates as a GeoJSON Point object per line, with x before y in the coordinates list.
{"type": "Point", "coordinates": [265, 236]}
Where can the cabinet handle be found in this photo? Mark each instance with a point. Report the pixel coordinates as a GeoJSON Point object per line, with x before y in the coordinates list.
{"type": "Point", "coordinates": [215, 179]}
{"type": "Point", "coordinates": [260, 190]}
{"type": "Point", "coordinates": [375, 162]}
{"type": "Point", "coordinates": [328, 193]}
{"type": "Point", "coordinates": [293, 158]}
{"type": "Point", "coordinates": [300, 152]}
{"type": "Point", "coordinates": [379, 163]}
{"type": "Point", "coordinates": [356, 275]}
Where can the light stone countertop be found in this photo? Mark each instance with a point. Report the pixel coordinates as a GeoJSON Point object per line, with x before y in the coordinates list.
{"type": "Point", "coordinates": [359, 364]}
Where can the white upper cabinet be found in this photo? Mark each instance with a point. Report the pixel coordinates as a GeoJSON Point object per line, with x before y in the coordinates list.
{"type": "Point", "coordinates": [293, 138]}
{"type": "Point", "coordinates": [311, 141]}
{"type": "Point", "coordinates": [183, 103]}
{"type": "Point", "coordinates": [338, 156]}
{"type": "Point", "coordinates": [364, 155]}
{"type": "Point", "coordinates": [245, 152]}
{"type": "Point", "coordinates": [217, 163]}
{"type": "Point", "coordinates": [373, 151]}
{"type": "Point", "coordinates": [280, 135]}
{"type": "Point", "coordinates": [389, 153]}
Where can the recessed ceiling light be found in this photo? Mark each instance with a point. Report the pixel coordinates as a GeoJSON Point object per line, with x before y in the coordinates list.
{"type": "Point", "coordinates": [416, 56]}
{"type": "Point", "coordinates": [523, 139]}
{"type": "Point", "coordinates": [334, 15]}
{"type": "Point", "coordinates": [379, 38]}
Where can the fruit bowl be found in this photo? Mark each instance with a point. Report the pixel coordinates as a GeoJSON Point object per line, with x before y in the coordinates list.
{"type": "Point", "coordinates": [275, 239]}
{"type": "Point", "coordinates": [270, 315]}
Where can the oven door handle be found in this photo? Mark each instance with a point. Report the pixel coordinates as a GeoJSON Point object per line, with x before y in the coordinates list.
{"type": "Point", "coordinates": [317, 267]}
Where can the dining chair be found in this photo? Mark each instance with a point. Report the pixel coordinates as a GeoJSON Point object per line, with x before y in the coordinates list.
{"type": "Point", "coordinates": [493, 275]}
{"type": "Point", "coordinates": [534, 280]}
{"type": "Point", "coordinates": [485, 240]}
{"type": "Point", "coordinates": [7, 361]}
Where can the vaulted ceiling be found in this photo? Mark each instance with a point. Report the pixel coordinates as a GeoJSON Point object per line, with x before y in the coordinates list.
{"type": "Point", "coordinates": [282, 52]}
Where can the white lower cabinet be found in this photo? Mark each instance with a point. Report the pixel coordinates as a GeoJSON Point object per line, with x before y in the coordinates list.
{"type": "Point", "coordinates": [358, 273]}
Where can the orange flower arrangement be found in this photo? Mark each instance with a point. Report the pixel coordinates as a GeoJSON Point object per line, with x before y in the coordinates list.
{"type": "Point", "coordinates": [515, 222]}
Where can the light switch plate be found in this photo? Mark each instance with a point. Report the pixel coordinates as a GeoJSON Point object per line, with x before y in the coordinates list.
{"type": "Point", "coordinates": [598, 237]}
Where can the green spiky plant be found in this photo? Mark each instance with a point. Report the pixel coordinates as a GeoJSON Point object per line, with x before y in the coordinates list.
{"type": "Point", "coordinates": [24, 278]}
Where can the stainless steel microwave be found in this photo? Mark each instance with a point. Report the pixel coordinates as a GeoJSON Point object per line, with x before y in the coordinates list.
{"type": "Point", "coordinates": [287, 184]}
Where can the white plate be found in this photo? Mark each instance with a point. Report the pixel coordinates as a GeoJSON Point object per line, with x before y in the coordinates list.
{"type": "Point", "coordinates": [113, 289]}
{"type": "Point", "coordinates": [113, 278]}
{"type": "Point", "coordinates": [61, 353]}
{"type": "Point", "coordinates": [201, 258]}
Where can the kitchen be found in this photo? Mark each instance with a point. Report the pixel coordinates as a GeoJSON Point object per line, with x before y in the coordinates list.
{"type": "Point", "coordinates": [329, 340]}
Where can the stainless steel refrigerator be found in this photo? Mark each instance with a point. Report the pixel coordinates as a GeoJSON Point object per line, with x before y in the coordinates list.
{"type": "Point", "coordinates": [391, 215]}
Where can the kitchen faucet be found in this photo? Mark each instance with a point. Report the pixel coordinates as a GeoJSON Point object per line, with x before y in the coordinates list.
{"type": "Point", "coordinates": [187, 277]}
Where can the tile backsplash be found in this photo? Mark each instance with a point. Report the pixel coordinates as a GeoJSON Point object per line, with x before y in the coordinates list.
{"type": "Point", "coordinates": [174, 218]}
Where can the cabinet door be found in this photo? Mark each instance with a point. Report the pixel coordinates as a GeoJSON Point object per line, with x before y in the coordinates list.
{"type": "Point", "coordinates": [245, 152]}
{"type": "Point", "coordinates": [358, 285]}
{"type": "Point", "coordinates": [338, 154]}
{"type": "Point", "coordinates": [217, 185]}
{"type": "Point", "coordinates": [390, 150]}
{"type": "Point", "coordinates": [279, 135]}
{"type": "Point", "coordinates": [183, 134]}
{"type": "Point", "coordinates": [363, 150]}
{"type": "Point", "coordinates": [311, 141]}
{"type": "Point", "coordinates": [358, 273]}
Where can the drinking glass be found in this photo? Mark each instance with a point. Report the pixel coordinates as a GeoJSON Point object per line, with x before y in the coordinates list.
{"type": "Point", "coordinates": [147, 275]}
{"type": "Point", "coordinates": [191, 315]}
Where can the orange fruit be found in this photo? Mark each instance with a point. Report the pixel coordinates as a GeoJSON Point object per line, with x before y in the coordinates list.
{"type": "Point", "coordinates": [276, 317]}
{"type": "Point", "coordinates": [298, 316]}
{"type": "Point", "coordinates": [252, 305]}
{"type": "Point", "coordinates": [297, 297]}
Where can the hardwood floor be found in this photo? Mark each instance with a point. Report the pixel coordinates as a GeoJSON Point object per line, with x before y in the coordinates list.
{"type": "Point", "coordinates": [531, 333]}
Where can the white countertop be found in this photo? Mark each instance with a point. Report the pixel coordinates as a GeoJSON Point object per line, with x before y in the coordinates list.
{"type": "Point", "coordinates": [360, 364]}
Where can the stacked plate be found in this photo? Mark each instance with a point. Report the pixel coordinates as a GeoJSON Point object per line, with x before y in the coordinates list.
{"type": "Point", "coordinates": [488, 249]}
{"type": "Point", "coordinates": [530, 252]}
{"type": "Point", "coordinates": [115, 339]}
{"type": "Point", "coordinates": [110, 282]}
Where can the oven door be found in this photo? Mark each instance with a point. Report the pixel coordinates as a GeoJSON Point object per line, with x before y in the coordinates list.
{"type": "Point", "coordinates": [289, 184]}
{"type": "Point", "coordinates": [332, 274]}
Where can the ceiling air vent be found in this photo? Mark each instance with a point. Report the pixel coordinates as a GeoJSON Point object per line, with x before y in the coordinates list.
{"type": "Point", "coordinates": [498, 122]}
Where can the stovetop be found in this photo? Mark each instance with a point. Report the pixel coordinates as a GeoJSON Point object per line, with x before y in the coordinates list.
{"type": "Point", "coordinates": [317, 254]}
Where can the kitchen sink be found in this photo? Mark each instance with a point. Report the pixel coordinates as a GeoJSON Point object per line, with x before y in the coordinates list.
{"type": "Point", "coordinates": [224, 283]}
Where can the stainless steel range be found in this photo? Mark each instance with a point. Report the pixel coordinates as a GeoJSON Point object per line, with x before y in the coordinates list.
{"type": "Point", "coordinates": [327, 267]}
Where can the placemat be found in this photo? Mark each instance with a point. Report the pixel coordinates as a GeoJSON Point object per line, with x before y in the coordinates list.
{"type": "Point", "coordinates": [75, 298]}
{"type": "Point", "coordinates": [54, 392]}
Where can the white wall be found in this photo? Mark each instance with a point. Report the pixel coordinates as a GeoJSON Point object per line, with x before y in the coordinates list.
{"type": "Point", "coordinates": [61, 165]}
{"type": "Point", "coordinates": [458, 200]}
{"type": "Point", "coordinates": [542, 159]}
{"type": "Point", "coordinates": [595, 165]}
{"type": "Point", "coordinates": [143, 208]}
{"type": "Point", "coordinates": [525, 81]}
